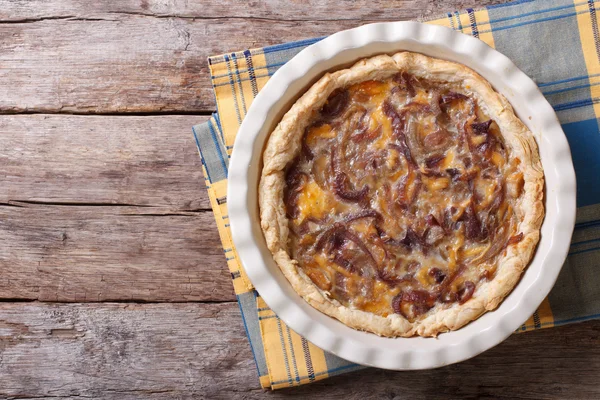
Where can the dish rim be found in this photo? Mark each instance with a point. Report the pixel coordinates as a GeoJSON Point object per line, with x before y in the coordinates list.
{"type": "Point", "coordinates": [335, 52]}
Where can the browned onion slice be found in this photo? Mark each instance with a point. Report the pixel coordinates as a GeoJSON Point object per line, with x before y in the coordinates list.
{"type": "Point", "coordinates": [434, 104]}
{"type": "Point", "coordinates": [434, 232]}
{"type": "Point", "coordinates": [487, 216]}
{"type": "Point", "coordinates": [323, 238]}
{"type": "Point", "coordinates": [444, 293]}
{"type": "Point", "coordinates": [451, 96]}
{"type": "Point", "coordinates": [337, 101]}
{"type": "Point", "coordinates": [339, 187]}
{"type": "Point", "coordinates": [405, 130]}
{"type": "Point", "coordinates": [383, 235]}
{"type": "Point", "coordinates": [321, 171]}
{"type": "Point", "coordinates": [299, 230]}
{"type": "Point", "coordinates": [359, 243]}
{"type": "Point", "coordinates": [481, 128]}
{"type": "Point", "coordinates": [466, 292]}
{"type": "Point", "coordinates": [515, 239]}
{"type": "Point", "coordinates": [364, 214]}
{"type": "Point", "coordinates": [498, 240]}
{"type": "Point", "coordinates": [498, 196]}
{"type": "Point", "coordinates": [293, 173]}
{"type": "Point", "coordinates": [431, 220]}
{"type": "Point", "coordinates": [375, 160]}
{"type": "Point", "coordinates": [464, 134]}
{"type": "Point", "coordinates": [306, 150]}
{"type": "Point", "coordinates": [305, 226]}
{"type": "Point", "coordinates": [366, 135]}
{"type": "Point", "coordinates": [340, 183]}
{"type": "Point", "coordinates": [490, 142]}
{"type": "Point", "coordinates": [403, 150]}
{"type": "Point", "coordinates": [391, 280]}
{"type": "Point", "coordinates": [404, 198]}
{"type": "Point", "coordinates": [454, 174]}
{"type": "Point", "coordinates": [436, 139]}
{"type": "Point", "coordinates": [484, 147]}
{"type": "Point", "coordinates": [290, 203]}
{"type": "Point", "coordinates": [406, 82]}
{"type": "Point", "coordinates": [437, 275]}
{"type": "Point", "coordinates": [335, 237]}
{"type": "Point", "coordinates": [358, 126]}
{"type": "Point", "coordinates": [413, 240]}
{"type": "Point", "coordinates": [434, 160]}
{"type": "Point", "coordinates": [413, 303]}
{"type": "Point", "coordinates": [473, 229]}
{"type": "Point", "coordinates": [344, 263]}
{"type": "Point", "coordinates": [340, 287]}
{"type": "Point", "coordinates": [398, 128]}
{"type": "Point", "coordinates": [448, 222]}
{"type": "Point", "coordinates": [295, 180]}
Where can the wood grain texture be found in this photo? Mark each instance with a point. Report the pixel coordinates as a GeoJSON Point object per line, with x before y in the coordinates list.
{"type": "Point", "coordinates": [110, 208]}
{"type": "Point", "coordinates": [147, 161]}
{"type": "Point", "coordinates": [69, 253]}
{"type": "Point", "coordinates": [166, 351]}
{"type": "Point", "coordinates": [295, 10]}
{"type": "Point", "coordinates": [119, 351]}
{"type": "Point", "coordinates": [97, 208]}
{"type": "Point", "coordinates": [151, 56]}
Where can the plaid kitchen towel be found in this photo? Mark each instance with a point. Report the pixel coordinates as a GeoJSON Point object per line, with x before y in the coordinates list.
{"type": "Point", "coordinates": [555, 42]}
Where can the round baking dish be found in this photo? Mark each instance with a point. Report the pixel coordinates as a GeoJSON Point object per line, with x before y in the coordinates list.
{"type": "Point", "coordinates": [341, 50]}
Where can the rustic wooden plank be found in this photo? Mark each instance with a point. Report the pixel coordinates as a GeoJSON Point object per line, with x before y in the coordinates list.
{"type": "Point", "coordinates": [323, 10]}
{"type": "Point", "coordinates": [149, 161]}
{"type": "Point", "coordinates": [123, 350]}
{"type": "Point", "coordinates": [68, 253]}
{"type": "Point", "coordinates": [162, 351]}
{"type": "Point", "coordinates": [135, 57]}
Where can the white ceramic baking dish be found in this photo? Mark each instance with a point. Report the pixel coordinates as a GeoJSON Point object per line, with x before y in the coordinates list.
{"type": "Point", "coordinates": [343, 49]}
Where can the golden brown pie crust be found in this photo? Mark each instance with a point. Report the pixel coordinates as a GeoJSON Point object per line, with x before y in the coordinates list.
{"type": "Point", "coordinates": [285, 144]}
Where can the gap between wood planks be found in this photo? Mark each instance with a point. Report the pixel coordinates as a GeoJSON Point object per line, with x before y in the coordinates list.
{"type": "Point", "coordinates": [109, 114]}
{"type": "Point", "coordinates": [193, 18]}
{"type": "Point", "coordinates": [115, 301]}
{"type": "Point", "coordinates": [321, 10]}
{"type": "Point", "coordinates": [25, 203]}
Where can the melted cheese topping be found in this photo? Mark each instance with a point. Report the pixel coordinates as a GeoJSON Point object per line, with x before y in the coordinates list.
{"type": "Point", "coordinates": [402, 197]}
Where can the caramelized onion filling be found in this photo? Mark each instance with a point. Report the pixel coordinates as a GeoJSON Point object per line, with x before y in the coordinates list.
{"type": "Point", "coordinates": [402, 198]}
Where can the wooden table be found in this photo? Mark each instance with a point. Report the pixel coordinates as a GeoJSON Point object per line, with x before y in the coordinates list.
{"type": "Point", "coordinates": [112, 280]}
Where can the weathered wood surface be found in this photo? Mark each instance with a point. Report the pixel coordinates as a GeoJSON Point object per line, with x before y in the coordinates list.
{"type": "Point", "coordinates": [68, 253]}
{"type": "Point", "coordinates": [121, 351]}
{"type": "Point", "coordinates": [166, 351]}
{"type": "Point", "coordinates": [278, 10]}
{"type": "Point", "coordinates": [131, 160]}
{"type": "Point", "coordinates": [155, 244]}
{"type": "Point", "coordinates": [113, 208]}
{"type": "Point", "coordinates": [142, 56]}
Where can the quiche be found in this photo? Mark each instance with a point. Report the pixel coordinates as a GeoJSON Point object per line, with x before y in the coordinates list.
{"type": "Point", "coordinates": [402, 195]}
